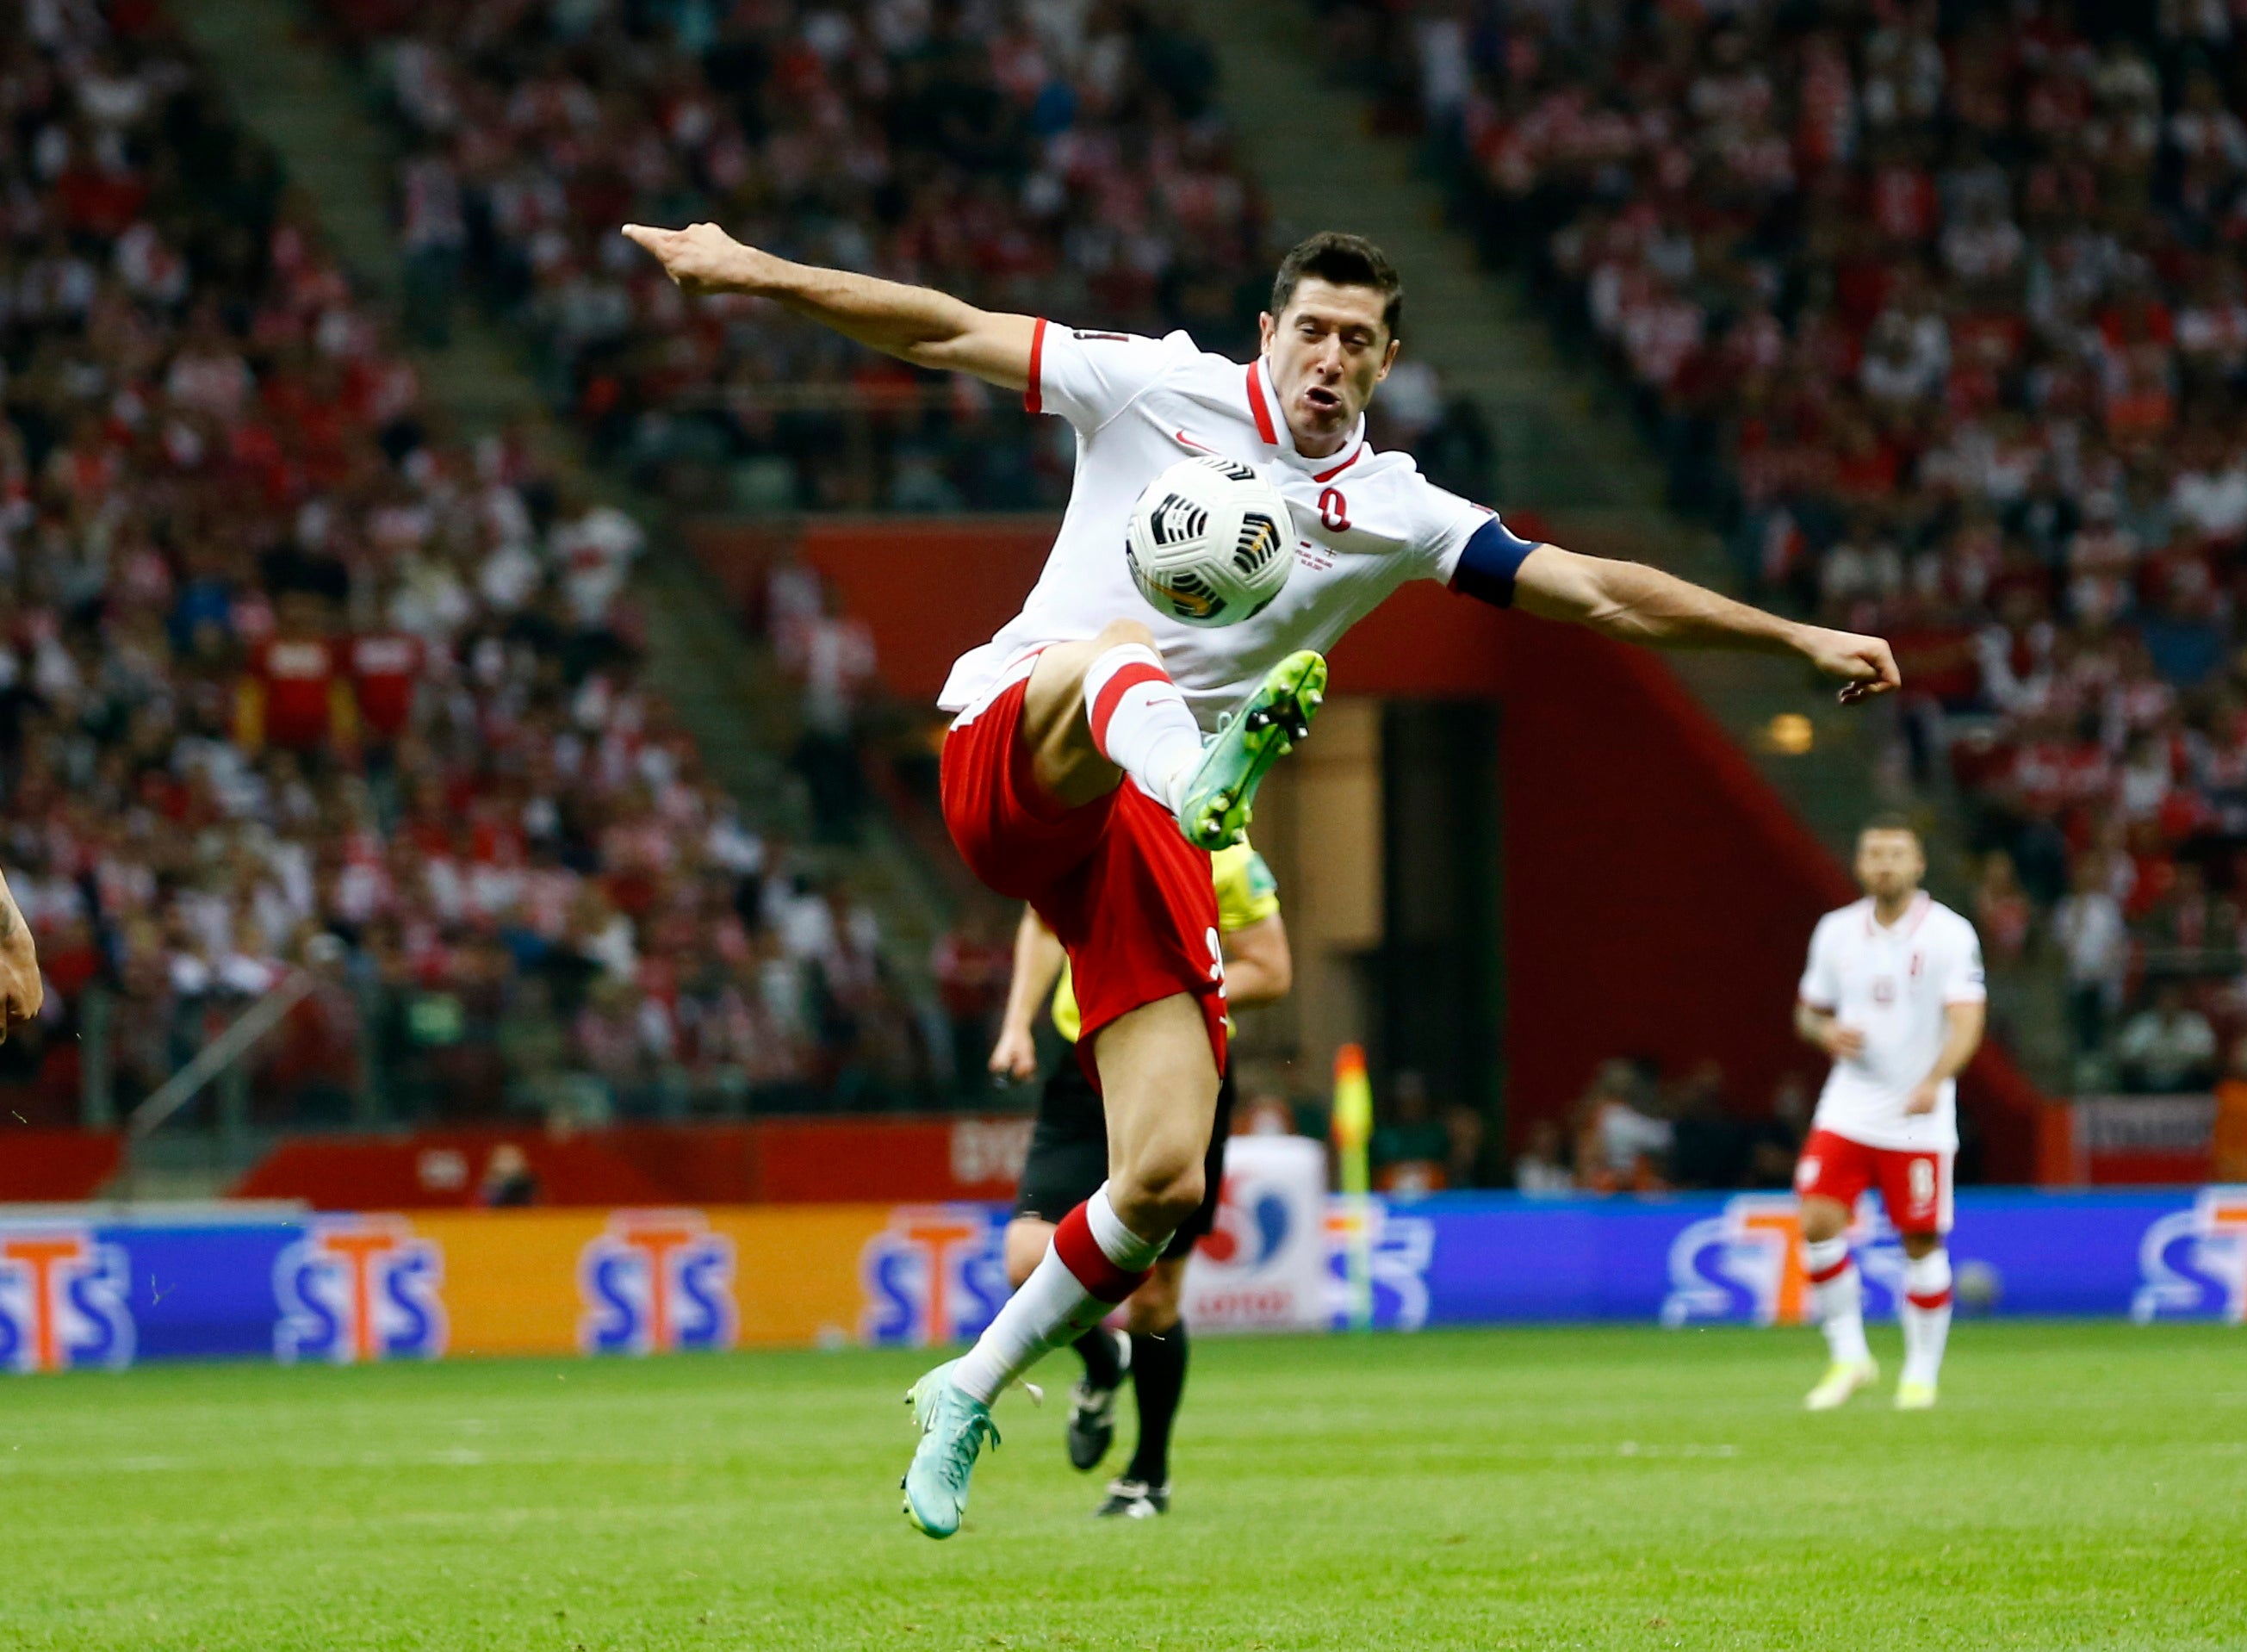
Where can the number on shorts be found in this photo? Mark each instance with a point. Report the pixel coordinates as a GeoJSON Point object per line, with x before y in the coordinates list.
{"type": "Point", "coordinates": [1216, 961]}
{"type": "Point", "coordinates": [1920, 1182]}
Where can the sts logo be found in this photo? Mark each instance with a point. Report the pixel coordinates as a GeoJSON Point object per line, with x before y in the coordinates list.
{"type": "Point", "coordinates": [1745, 1266]}
{"type": "Point", "coordinates": [656, 1282]}
{"type": "Point", "coordinates": [358, 1288]}
{"type": "Point", "coordinates": [63, 1301]}
{"type": "Point", "coordinates": [1403, 1248]}
{"type": "Point", "coordinates": [2194, 1263]}
{"type": "Point", "coordinates": [936, 1274]}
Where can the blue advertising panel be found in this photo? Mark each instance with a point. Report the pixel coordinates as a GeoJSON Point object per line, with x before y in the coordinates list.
{"type": "Point", "coordinates": [92, 1294]}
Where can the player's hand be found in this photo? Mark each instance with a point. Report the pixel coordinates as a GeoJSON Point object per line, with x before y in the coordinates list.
{"type": "Point", "coordinates": [22, 992]}
{"type": "Point", "coordinates": [1845, 1043]}
{"type": "Point", "coordinates": [1923, 1098]}
{"type": "Point", "coordinates": [1016, 1056]}
{"type": "Point", "coordinates": [703, 258]}
{"type": "Point", "coordinates": [1865, 665]}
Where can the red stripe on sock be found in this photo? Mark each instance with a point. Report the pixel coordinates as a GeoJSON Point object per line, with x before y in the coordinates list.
{"type": "Point", "coordinates": [1932, 1299]}
{"type": "Point", "coordinates": [1820, 1276]}
{"type": "Point", "coordinates": [1081, 1254]}
{"type": "Point", "coordinates": [1126, 678]}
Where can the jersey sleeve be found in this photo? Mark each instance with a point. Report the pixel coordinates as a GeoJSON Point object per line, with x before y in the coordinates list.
{"type": "Point", "coordinates": [1821, 979]}
{"type": "Point", "coordinates": [1247, 892]}
{"type": "Point", "coordinates": [1962, 980]}
{"type": "Point", "coordinates": [1464, 546]}
{"type": "Point", "coordinates": [1089, 378]}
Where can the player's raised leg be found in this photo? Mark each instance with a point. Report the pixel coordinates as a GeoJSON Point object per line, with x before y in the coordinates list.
{"type": "Point", "coordinates": [1839, 1293]}
{"type": "Point", "coordinates": [1159, 1078]}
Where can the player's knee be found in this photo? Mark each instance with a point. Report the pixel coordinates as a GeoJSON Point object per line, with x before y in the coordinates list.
{"type": "Point", "coordinates": [1119, 633]}
{"type": "Point", "coordinates": [1823, 1219]}
{"type": "Point", "coordinates": [1160, 1188]}
{"type": "Point", "coordinates": [1916, 1245]}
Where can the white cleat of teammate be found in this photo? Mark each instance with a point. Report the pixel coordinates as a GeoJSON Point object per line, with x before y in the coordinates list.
{"type": "Point", "coordinates": [1843, 1379]}
{"type": "Point", "coordinates": [1914, 1396]}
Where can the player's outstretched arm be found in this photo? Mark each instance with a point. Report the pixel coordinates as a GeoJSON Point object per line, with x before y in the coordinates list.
{"type": "Point", "coordinates": [1641, 605]}
{"type": "Point", "coordinates": [917, 324]}
{"type": "Point", "coordinates": [1259, 967]}
{"type": "Point", "coordinates": [22, 990]}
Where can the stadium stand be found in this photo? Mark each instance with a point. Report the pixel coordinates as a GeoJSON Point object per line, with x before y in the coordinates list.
{"type": "Point", "coordinates": [280, 660]}
{"type": "Point", "coordinates": [1041, 158]}
{"type": "Point", "coordinates": [1938, 312]}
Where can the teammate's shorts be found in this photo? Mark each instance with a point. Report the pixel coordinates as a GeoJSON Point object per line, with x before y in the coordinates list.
{"type": "Point", "coordinates": [1114, 879]}
{"type": "Point", "coordinates": [1914, 1183]}
{"type": "Point", "coordinates": [1069, 1156]}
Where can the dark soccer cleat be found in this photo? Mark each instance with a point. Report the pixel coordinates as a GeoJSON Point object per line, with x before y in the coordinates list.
{"type": "Point", "coordinates": [1134, 1500]}
{"type": "Point", "coordinates": [1092, 1412]}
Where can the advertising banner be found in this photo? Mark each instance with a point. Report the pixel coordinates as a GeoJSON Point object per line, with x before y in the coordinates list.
{"type": "Point", "coordinates": [1264, 1268]}
{"type": "Point", "coordinates": [77, 1294]}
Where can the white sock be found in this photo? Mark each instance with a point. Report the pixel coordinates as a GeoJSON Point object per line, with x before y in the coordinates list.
{"type": "Point", "coordinates": [1841, 1298]}
{"type": "Point", "coordinates": [1139, 720]}
{"type": "Point", "coordinates": [1926, 1315]}
{"type": "Point", "coordinates": [1093, 1263]}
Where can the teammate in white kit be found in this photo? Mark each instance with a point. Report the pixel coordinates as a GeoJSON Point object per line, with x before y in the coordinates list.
{"type": "Point", "coordinates": [1893, 994]}
{"type": "Point", "coordinates": [1089, 685]}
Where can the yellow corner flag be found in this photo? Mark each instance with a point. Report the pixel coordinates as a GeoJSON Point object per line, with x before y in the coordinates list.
{"type": "Point", "coordinates": [1353, 1131]}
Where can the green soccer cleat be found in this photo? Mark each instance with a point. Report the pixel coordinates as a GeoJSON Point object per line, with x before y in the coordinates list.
{"type": "Point", "coordinates": [1914, 1396]}
{"type": "Point", "coordinates": [1213, 809]}
{"type": "Point", "coordinates": [1842, 1378]}
{"type": "Point", "coordinates": [953, 1430]}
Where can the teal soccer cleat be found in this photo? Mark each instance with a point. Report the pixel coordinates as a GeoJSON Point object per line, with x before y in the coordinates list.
{"type": "Point", "coordinates": [953, 1430]}
{"type": "Point", "coordinates": [1213, 809]}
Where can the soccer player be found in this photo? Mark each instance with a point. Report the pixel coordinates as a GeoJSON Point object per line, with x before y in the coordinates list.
{"type": "Point", "coordinates": [1069, 1160]}
{"type": "Point", "coordinates": [1894, 994]}
{"type": "Point", "coordinates": [1089, 688]}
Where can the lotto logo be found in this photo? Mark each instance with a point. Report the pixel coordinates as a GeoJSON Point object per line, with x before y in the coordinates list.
{"type": "Point", "coordinates": [356, 1288]}
{"type": "Point", "coordinates": [657, 1282]}
{"type": "Point", "coordinates": [1746, 1264]}
{"type": "Point", "coordinates": [2192, 1263]}
{"type": "Point", "coordinates": [936, 1274]}
{"type": "Point", "coordinates": [62, 1301]}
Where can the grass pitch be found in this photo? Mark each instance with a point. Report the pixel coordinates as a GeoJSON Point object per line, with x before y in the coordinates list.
{"type": "Point", "coordinates": [2080, 1486]}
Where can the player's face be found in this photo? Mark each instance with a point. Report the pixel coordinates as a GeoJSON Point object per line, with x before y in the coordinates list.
{"type": "Point", "coordinates": [1889, 864]}
{"type": "Point", "coordinates": [1328, 350]}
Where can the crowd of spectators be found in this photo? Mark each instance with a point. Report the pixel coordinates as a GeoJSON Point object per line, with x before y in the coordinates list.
{"type": "Point", "coordinates": [1632, 1130]}
{"type": "Point", "coordinates": [1046, 156]}
{"type": "Point", "coordinates": [280, 663]}
{"type": "Point", "coordinates": [1941, 312]}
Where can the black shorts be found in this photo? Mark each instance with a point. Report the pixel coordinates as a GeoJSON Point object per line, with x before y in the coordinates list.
{"type": "Point", "coordinates": [1068, 1155]}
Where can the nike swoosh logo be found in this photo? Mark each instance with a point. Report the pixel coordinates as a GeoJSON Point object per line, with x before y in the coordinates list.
{"type": "Point", "coordinates": [1184, 441]}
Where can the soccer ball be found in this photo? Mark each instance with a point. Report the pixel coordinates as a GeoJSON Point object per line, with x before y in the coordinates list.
{"type": "Point", "coordinates": [1210, 541]}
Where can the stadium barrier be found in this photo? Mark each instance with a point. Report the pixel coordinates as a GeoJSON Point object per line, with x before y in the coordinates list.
{"type": "Point", "coordinates": [100, 1293]}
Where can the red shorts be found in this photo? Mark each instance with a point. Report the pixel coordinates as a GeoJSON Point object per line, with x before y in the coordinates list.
{"type": "Point", "coordinates": [1915, 1185]}
{"type": "Point", "coordinates": [1114, 879]}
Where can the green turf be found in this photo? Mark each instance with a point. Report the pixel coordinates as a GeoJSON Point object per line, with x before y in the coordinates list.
{"type": "Point", "coordinates": [2081, 1486]}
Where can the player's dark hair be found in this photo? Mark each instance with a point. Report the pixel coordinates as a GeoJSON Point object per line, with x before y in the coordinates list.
{"type": "Point", "coordinates": [1345, 260]}
{"type": "Point", "coordinates": [1890, 820]}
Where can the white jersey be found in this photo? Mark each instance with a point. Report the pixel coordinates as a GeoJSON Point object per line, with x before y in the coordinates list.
{"type": "Point", "coordinates": [1365, 521]}
{"type": "Point", "coordinates": [1893, 985]}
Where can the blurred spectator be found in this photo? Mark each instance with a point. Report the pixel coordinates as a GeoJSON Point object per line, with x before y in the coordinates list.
{"type": "Point", "coordinates": [1538, 1170]}
{"type": "Point", "coordinates": [1620, 1144]}
{"type": "Point", "coordinates": [1708, 1147]}
{"type": "Point", "coordinates": [1463, 1130]}
{"type": "Point", "coordinates": [1775, 1141]}
{"type": "Point", "coordinates": [2088, 927]}
{"type": "Point", "coordinates": [2167, 1047]}
{"type": "Point", "coordinates": [2230, 1143]}
{"type": "Point", "coordinates": [508, 1180]}
{"type": "Point", "coordinates": [1411, 1145]}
